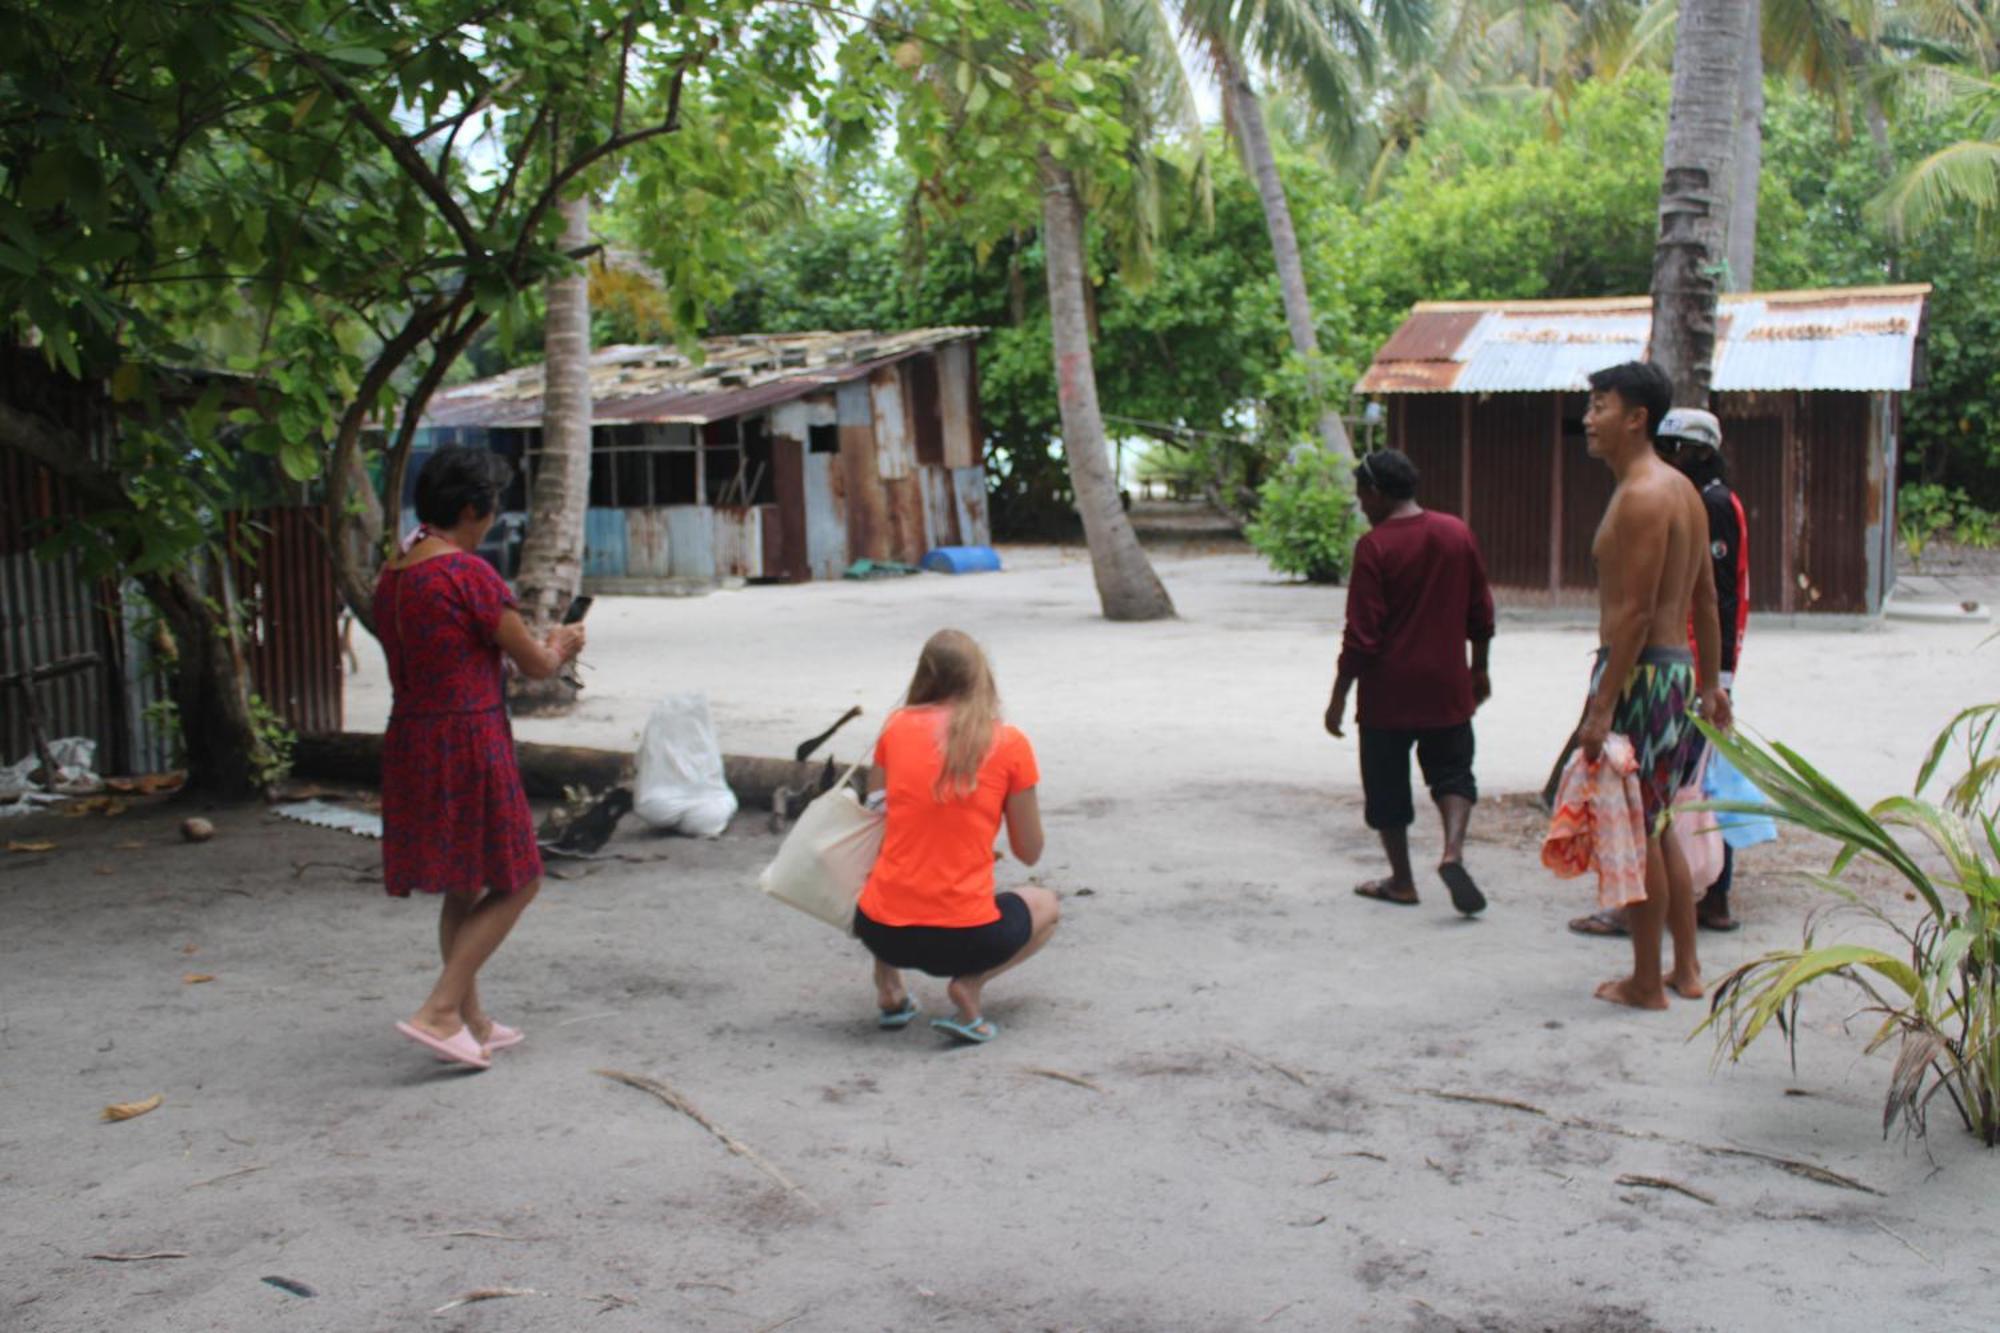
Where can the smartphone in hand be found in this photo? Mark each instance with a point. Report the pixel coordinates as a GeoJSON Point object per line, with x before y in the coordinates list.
{"type": "Point", "coordinates": [579, 607]}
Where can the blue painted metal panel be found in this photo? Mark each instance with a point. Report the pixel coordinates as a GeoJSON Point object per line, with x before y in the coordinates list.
{"type": "Point", "coordinates": [604, 543]}
{"type": "Point", "coordinates": [691, 534]}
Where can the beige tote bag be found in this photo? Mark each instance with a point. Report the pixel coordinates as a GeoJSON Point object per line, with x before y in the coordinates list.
{"type": "Point", "coordinates": [825, 859]}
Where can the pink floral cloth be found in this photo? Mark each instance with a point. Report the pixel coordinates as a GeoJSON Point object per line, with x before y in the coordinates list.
{"type": "Point", "coordinates": [1600, 824]}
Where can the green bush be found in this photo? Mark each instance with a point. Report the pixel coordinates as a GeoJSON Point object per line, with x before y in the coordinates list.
{"type": "Point", "coordinates": [1306, 523]}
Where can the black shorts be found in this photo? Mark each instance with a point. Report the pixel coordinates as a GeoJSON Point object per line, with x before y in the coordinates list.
{"type": "Point", "coordinates": [950, 951]}
{"type": "Point", "coordinates": [1445, 755]}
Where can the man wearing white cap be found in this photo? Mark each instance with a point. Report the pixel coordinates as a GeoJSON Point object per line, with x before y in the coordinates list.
{"type": "Point", "coordinates": [1691, 440]}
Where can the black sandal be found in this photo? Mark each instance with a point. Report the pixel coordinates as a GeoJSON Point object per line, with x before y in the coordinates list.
{"type": "Point", "coordinates": [1465, 895]}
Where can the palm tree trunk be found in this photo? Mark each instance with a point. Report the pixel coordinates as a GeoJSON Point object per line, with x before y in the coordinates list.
{"type": "Point", "coordinates": [1749, 167]}
{"type": "Point", "coordinates": [1127, 587]}
{"type": "Point", "coordinates": [1694, 192]}
{"type": "Point", "coordinates": [1246, 114]}
{"type": "Point", "coordinates": [552, 556]}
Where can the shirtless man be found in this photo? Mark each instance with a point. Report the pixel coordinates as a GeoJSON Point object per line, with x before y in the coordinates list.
{"type": "Point", "coordinates": [1652, 566]}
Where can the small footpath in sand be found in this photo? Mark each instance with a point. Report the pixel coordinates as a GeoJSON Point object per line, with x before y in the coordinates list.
{"type": "Point", "coordinates": [1230, 1096]}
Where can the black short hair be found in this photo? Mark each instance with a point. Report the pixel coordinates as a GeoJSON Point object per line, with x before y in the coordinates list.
{"type": "Point", "coordinates": [460, 475]}
{"type": "Point", "coordinates": [1638, 384]}
{"type": "Point", "coordinates": [1388, 473]}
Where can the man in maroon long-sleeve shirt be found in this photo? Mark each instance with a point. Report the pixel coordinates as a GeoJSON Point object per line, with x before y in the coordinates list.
{"type": "Point", "coordinates": [1417, 596]}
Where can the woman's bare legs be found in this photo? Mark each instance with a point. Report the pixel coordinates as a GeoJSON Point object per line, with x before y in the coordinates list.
{"type": "Point", "coordinates": [1044, 912]}
{"type": "Point", "coordinates": [890, 992]}
{"type": "Point", "coordinates": [468, 933]}
{"type": "Point", "coordinates": [452, 914]}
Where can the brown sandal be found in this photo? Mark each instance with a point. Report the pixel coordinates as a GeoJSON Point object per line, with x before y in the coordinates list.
{"type": "Point", "coordinates": [1605, 924]}
{"type": "Point", "coordinates": [1379, 890]}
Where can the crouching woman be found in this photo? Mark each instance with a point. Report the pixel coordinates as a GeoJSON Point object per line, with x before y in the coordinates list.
{"type": "Point", "coordinates": [953, 772]}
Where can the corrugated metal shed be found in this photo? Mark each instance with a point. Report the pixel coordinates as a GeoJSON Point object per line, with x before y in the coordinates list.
{"type": "Point", "coordinates": [733, 377]}
{"type": "Point", "coordinates": [1861, 339]}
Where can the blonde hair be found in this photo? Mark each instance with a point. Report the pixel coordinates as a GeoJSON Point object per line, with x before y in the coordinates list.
{"type": "Point", "coordinates": [953, 673]}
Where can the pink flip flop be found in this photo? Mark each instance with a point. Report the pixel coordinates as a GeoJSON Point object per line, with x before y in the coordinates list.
{"type": "Point", "coordinates": [498, 1038]}
{"type": "Point", "coordinates": [502, 1036]}
{"type": "Point", "coordinates": [459, 1048]}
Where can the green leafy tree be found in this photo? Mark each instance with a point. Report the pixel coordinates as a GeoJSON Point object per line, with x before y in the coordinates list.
{"type": "Point", "coordinates": [366, 187]}
{"type": "Point", "coordinates": [1008, 115]}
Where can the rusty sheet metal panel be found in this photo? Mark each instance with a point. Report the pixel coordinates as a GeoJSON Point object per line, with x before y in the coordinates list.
{"type": "Point", "coordinates": [785, 554]}
{"type": "Point", "coordinates": [284, 579]}
{"type": "Point", "coordinates": [1513, 453]}
{"type": "Point", "coordinates": [907, 541]}
{"type": "Point", "coordinates": [867, 508]}
{"type": "Point", "coordinates": [1431, 335]}
{"type": "Point", "coordinates": [773, 562]}
{"type": "Point", "coordinates": [1755, 448]}
{"type": "Point", "coordinates": [649, 546]}
{"type": "Point", "coordinates": [895, 449]}
{"type": "Point", "coordinates": [1427, 429]}
{"type": "Point", "coordinates": [691, 534]}
{"type": "Point", "coordinates": [826, 524]}
{"type": "Point", "coordinates": [957, 405]}
{"type": "Point", "coordinates": [940, 507]}
{"type": "Point", "coordinates": [1835, 434]}
{"type": "Point", "coordinates": [975, 526]}
{"type": "Point", "coordinates": [739, 542]}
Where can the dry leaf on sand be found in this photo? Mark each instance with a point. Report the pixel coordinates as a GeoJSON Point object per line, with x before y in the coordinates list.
{"type": "Point", "coordinates": [13, 846]}
{"type": "Point", "coordinates": [197, 978]}
{"type": "Point", "coordinates": [129, 1110]}
{"type": "Point", "coordinates": [485, 1294]}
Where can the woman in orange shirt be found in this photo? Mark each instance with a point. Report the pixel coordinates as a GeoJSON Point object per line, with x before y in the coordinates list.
{"type": "Point", "coordinates": [952, 770]}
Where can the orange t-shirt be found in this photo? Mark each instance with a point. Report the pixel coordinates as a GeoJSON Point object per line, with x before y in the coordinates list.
{"type": "Point", "coordinates": [936, 866]}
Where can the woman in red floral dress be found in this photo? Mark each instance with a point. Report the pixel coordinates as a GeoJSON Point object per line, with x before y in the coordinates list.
{"type": "Point", "coordinates": [455, 820]}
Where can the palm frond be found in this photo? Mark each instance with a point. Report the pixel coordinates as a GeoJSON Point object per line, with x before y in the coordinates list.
{"type": "Point", "coordinates": [1962, 176]}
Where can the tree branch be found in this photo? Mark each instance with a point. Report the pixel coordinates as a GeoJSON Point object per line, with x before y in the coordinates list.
{"type": "Point", "coordinates": [403, 150]}
{"type": "Point", "coordinates": [443, 358]}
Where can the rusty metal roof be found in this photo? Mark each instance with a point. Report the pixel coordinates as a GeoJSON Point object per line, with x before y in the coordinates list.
{"type": "Point", "coordinates": [1854, 339]}
{"type": "Point", "coordinates": [732, 377]}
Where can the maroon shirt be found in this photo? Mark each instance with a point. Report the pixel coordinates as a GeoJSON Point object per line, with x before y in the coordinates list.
{"type": "Point", "coordinates": [1417, 595]}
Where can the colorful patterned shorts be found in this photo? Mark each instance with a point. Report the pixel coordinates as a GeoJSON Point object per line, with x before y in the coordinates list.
{"type": "Point", "coordinates": [1656, 713]}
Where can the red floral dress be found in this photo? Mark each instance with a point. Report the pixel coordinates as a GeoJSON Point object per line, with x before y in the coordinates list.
{"type": "Point", "coordinates": [454, 816]}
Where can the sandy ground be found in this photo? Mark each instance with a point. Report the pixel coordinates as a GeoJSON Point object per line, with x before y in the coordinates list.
{"type": "Point", "coordinates": [1214, 1104]}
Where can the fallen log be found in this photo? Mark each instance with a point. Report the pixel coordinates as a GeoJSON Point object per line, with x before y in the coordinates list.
{"type": "Point", "coordinates": [354, 756]}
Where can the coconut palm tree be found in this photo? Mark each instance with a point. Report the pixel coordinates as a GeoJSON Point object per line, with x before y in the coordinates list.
{"type": "Point", "coordinates": [552, 557]}
{"type": "Point", "coordinates": [1701, 142]}
{"type": "Point", "coordinates": [999, 148]}
{"type": "Point", "coordinates": [1328, 48]}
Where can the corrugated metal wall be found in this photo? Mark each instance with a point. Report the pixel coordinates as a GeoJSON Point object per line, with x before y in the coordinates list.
{"type": "Point", "coordinates": [49, 611]}
{"type": "Point", "coordinates": [1586, 488]}
{"type": "Point", "coordinates": [1513, 454]}
{"type": "Point", "coordinates": [1427, 427]}
{"type": "Point", "coordinates": [284, 579]}
{"type": "Point", "coordinates": [1834, 555]}
{"type": "Point", "coordinates": [1755, 448]}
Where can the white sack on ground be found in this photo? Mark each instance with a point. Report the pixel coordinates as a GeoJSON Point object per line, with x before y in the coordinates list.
{"type": "Point", "coordinates": [680, 787]}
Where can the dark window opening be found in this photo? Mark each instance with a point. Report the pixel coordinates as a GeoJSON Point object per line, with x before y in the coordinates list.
{"type": "Point", "coordinates": [823, 439]}
{"type": "Point", "coordinates": [673, 478]}
{"type": "Point", "coordinates": [922, 381]}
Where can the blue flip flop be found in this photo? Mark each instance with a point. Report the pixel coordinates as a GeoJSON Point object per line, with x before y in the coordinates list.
{"type": "Point", "coordinates": [898, 1018]}
{"type": "Point", "coordinates": [979, 1031]}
